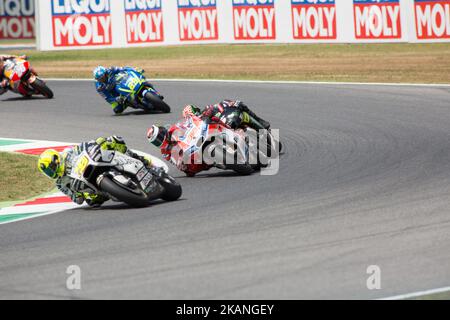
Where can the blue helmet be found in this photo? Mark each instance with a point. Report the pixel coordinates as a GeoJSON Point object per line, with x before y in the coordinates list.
{"type": "Point", "coordinates": [99, 72]}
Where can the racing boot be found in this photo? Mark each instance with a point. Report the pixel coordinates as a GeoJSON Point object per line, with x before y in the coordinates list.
{"type": "Point", "coordinates": [94, 200]}
{"type": "Point", "coordinates": [264, 123]}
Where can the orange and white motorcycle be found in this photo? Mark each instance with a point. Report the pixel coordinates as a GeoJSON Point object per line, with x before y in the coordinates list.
{"type": "Point", "coordinates": [21, 78]}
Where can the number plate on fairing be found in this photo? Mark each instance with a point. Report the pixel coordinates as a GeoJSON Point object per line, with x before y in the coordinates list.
{"type": "Point", "coordinates": [141, 174]}
{"type": "Point", "coordinates": [148, 182]}
{"type": "Point", "coordinates": [82, 165]}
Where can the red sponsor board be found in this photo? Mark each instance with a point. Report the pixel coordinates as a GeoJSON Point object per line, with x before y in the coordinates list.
{"type": "Point", "coordinates": [377, 19]}
{"type": "Point", "coordinates": [197, 22]}
{"type": "Point", "coordinates": [314, 20]}
{"type": "Point", "coordinates": [432, 19]}
{"type": "Point", "coordinates": [254, 20]}
{"type": "Point", "coordinates": [144, 27]}
{"type": "Point", "coordinates": [144, 21]}
{"type": "Point", "coordinates": [17, 19]}
{"type": "Point", "coordinates": [86, 23]}
{"type": "Point", "coordinates": [16, 28]}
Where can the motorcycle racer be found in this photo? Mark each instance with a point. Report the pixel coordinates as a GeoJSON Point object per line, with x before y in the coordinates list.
{"type": "Point", "coordinates": [58, 166]}
{"type": "Point", "coordinates": [4, 85]}
{"type": "Point", "coordinates": [220, 112]}
{"type": "Point", "coordinates": [106, 82]}
{"type": "Point", "coordinates": [161, 137]}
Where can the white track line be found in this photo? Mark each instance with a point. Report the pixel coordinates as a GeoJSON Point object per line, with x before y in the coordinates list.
{"type": "Point", "coordinates": [417, 294]}
{"type": "Point", "coordinates": [34, 216]}
{"type": "Point", "coordinates": [284, 82]}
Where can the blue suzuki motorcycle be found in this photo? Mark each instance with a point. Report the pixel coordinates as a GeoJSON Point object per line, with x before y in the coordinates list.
{"type": "Point", "coordinates": [137, 93]}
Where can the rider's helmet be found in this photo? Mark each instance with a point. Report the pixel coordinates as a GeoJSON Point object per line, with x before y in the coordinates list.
{"type": "Point", "coordinates": [191, 110]}
{"type": "Point", "coordinates": [50, 164]}
{"type": "Point", "coordinates": [156, 135]}
{"type": "Point", "coordinates": [100, 73]}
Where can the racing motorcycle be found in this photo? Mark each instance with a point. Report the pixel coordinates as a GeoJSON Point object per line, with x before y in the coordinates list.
{"type": "Point", "coordinates": [123, 178]}
{"type": "Point", "coordinates": [135, 92]}
{"type": "Point", "coordinates": [241, 119]}
{"type": "Point", "coordinates": [23, 79]}
{"type": "Point", "coordinates": [213, 144]}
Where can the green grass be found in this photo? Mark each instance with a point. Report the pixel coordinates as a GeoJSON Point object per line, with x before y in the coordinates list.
{"type": "Point", "coordinates": [17, 41]}
{"type": "Point", "coordinates": [256, 51]}
{"type": "Point", "coordinates": [20, 178]}
{"type": "Point", "coordinates": [417, 63]}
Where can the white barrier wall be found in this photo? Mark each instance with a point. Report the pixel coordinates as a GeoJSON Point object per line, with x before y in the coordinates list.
{"type": "Point", "coordinates": [72, 24]}
{"type": "Point", "coordinates": [17, 19]}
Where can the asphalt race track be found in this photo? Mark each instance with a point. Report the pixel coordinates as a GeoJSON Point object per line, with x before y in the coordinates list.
{"type": "Point", "coordinates": [365, 180]}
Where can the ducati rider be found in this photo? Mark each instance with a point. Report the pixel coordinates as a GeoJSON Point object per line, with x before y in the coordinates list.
{"type": "Point", "coordinates": [161, 136]}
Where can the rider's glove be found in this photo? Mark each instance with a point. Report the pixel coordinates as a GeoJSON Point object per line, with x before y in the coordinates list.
{"type": "Point", "coordinates": [147, 162]}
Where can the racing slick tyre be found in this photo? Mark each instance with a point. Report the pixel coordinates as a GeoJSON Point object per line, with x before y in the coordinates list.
{"type": "Point", "coordinates": [157, 103]}
{"type": "Point", "coordinates": [172, 189]}
{"type": "Point", "coordinates": [123, 194]}
{"type": "Point", "coordinates": [42, 88]}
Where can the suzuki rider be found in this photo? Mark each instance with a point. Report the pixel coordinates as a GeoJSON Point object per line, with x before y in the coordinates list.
{"type": "Point", "coordinates": [58, 166]}
{"type": "Point", "coordinates": [106, 83]}
{"type": "Point", "coordinates": [219, 113]}
{"type": "Point", "coordinates": [4, 83]}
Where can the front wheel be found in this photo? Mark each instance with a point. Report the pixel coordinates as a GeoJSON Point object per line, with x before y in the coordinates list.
{"type": "Point", "coordinates": [138, 199]}
{"type": "Point", "coordinates": [157, 103]}
{"type": "Point", "coordinates": [172, 189]}
{"type": "Point", "coordinates": [42, 88]}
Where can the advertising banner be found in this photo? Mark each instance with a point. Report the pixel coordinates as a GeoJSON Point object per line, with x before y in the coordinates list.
{"type": "Point", "coordinates": [312, 19]}
{"type": "Point", "coordinates": [197, 20]}
{"type": "Point", "coordinates": [75, 24]}
{"type": "Point", "coordinates": [144, 21]}
{"type": "Point", "coordinates": [81, 22]}
{"type": "Point", "coordinates": [432, 19]}
{"type": "Point", "coordinates": [17, 19]}
{"type": "Point", "coordinates": [254, 19]}
{"type": "Point", "coordinates": [377, 19]}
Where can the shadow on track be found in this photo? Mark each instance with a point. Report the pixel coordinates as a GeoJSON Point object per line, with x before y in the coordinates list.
{"type": "Point", "coordinates": [116, 206]}
{"type": "Point", "coordinates": [137, 113]}
{"type": "Point", "coordinates": [24, 98]}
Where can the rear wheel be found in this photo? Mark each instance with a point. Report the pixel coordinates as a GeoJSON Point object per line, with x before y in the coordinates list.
{"type": "Point", "coordinates": [134, 199]}
{"type": "Point", "coordinates": [157, 103]}
{"type": "Point", "coordinates": [42, 88]}
{"type": "Point", "coordinates": [172, 189]}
